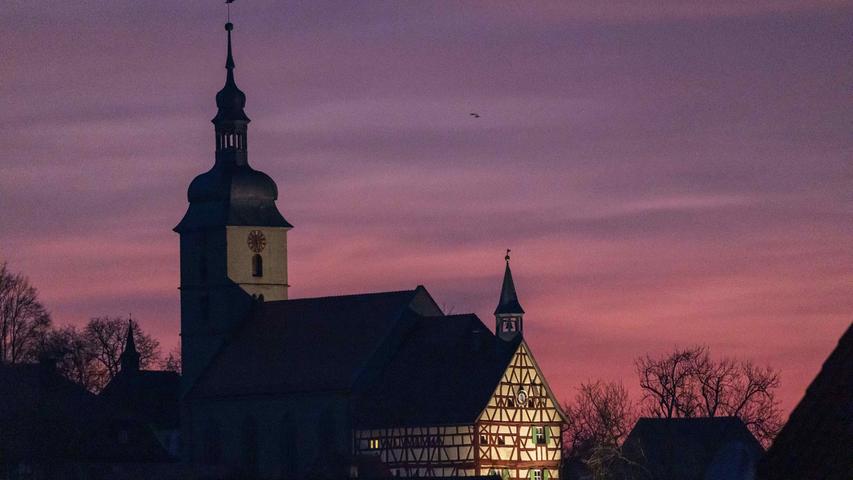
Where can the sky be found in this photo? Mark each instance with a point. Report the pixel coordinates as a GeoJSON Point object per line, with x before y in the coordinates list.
{"type": "Point", "coordinates": [666, 173]}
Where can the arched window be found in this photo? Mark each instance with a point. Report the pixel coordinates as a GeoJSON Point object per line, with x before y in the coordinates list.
{"type": "Point", "coordinates": [257, 266]}
{"type": "Point", "coordinates": [249, 441]}
{"type": "Point", "coordinates": [212, 442]}
{"type": "Point", "coordinates": [288, 447]}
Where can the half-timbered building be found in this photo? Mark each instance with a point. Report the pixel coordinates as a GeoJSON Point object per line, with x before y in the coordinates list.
{"type": "Point", "coordinates": [290, 388]}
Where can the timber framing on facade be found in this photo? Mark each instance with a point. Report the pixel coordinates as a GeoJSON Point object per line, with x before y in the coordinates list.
{"type": "Point", "coordinates": [517, 435]}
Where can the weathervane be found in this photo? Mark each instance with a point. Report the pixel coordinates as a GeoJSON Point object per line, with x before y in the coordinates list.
{"type": "Point", "coordinates": [507, 255]}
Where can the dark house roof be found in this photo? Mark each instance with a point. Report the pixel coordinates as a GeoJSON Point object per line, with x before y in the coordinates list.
{"type": "Point", "coordinates": [39, 413]}
{"type": "Point", "coordinates": [312, 344]}
{"type": "Point", "coordinates": [692, 448]}
{"type": "Point", "coordinates": [444, 372]}
{"type": "Point", "coordinates": [817, 440]}
{"type": "Point", "coordinates": [148, 396]}
{"type": "Point", "coordinates": [45, 418]}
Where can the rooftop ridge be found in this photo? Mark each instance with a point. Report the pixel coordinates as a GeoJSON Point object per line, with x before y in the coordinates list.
{"type": "Point", "coordinates": [367, 294]}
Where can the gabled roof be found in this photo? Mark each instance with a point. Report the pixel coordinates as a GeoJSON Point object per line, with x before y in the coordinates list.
{"type": "Point", "coordinates": [816, 441]}
{"type": "Point", "coordinates": [444, 372]}
{"type": "Point", "coordinates": [692, 448]}
{"type": "Point", "coordinates": [311, 344]}
{"type": "Point", "coordinates": [148, 396]}
{"type": "Point", "coordinates": [47, 418]}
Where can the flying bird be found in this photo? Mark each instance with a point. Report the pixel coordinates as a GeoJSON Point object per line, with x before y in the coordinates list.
{"type": "Point", "coordinates": [475, 115]}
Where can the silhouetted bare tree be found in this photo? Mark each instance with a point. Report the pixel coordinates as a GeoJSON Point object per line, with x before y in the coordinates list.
{"type": "Point", "coordinates": [23, 318]}
{"type": "Point", "coordinates": [598, 420]}
{"type": "Point", "coordinates": [689, 383]}
{"type": "Point", "coordinates": [106, 337]}
{"type": "Point", "coordinates": [74, 357]}
{"type": "Point", "coordinates": [668, 383]}
{"type": "Point", "coordinates": [91, 356]}
{"type": "Point", "coordinates": [172, 362]}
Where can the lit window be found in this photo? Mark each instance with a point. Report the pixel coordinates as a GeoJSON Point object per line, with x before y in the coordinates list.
{"type": "Point", "coordinates": [537, 474]}
{"type": "Point", "coordinates": [484, 440]}
{"type": "Point", "coordinates": [373, 444]}
{"type": "Point", "coordinates": [501, 440]}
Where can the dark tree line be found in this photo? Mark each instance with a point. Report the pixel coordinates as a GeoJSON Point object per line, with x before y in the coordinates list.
{"type": "Point", "coordinates": [89, 355]}
{"type": "Point", "coordinates": [683, 383]}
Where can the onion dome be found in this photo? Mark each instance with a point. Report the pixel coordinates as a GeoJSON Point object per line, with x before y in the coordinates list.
{"type": "Point", "coordinates": [232, 192]}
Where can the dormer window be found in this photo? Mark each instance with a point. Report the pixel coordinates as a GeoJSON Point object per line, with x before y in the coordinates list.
{"type": "Point", "coordinates": [257, 265]}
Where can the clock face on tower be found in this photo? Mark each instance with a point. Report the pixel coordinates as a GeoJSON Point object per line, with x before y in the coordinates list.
{"type": "Point", "coordinates": [256, 241]}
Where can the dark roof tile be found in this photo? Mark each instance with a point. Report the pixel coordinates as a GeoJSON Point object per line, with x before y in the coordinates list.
{"type": "Point", "coordinates": [311, 344]}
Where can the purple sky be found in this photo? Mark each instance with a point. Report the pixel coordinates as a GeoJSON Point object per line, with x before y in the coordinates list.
{"type": "Point", "coordinates": [666, 173]}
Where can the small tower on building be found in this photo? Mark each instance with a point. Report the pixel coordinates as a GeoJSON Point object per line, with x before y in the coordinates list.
{"type": "Point", "coordinates": [129, 358]}
{"type": "Point", "coordinates": [509, 316]}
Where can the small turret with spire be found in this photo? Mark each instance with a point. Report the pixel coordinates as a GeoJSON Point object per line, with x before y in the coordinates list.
{"type": "Point", "coordinates": [509, 315]}
{"type": "Point", "coordinates": [231, 121]}
{"type": "Point", "coordinates": [129, 357]}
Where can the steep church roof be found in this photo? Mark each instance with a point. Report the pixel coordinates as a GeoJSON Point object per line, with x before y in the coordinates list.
{"type": "Point", "coordinates": [445, 371]}
{"type": "Point", "coordinates": [815, 443]}
{"type": "Point", "coordinates": [311, 344]}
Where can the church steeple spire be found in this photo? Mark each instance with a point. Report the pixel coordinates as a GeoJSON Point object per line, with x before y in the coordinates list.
{"type": "Point", "coordinates": [129, 357]}
{"type": "Point", "coordinates": [231, 121]}
{"type": "Point", "coordinates": [508, 302]}
{"type": "Point", "coordinates": [508, 314]}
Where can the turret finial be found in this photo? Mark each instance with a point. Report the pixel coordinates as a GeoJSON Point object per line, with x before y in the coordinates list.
{"type": "Point", "coordinates": [229, 62]}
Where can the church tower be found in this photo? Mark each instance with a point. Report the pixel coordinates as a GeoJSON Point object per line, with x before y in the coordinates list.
{"type": "Point", "coordinates": [509, 316]}
{"type": "Point", "coordinates": [233, 238]}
